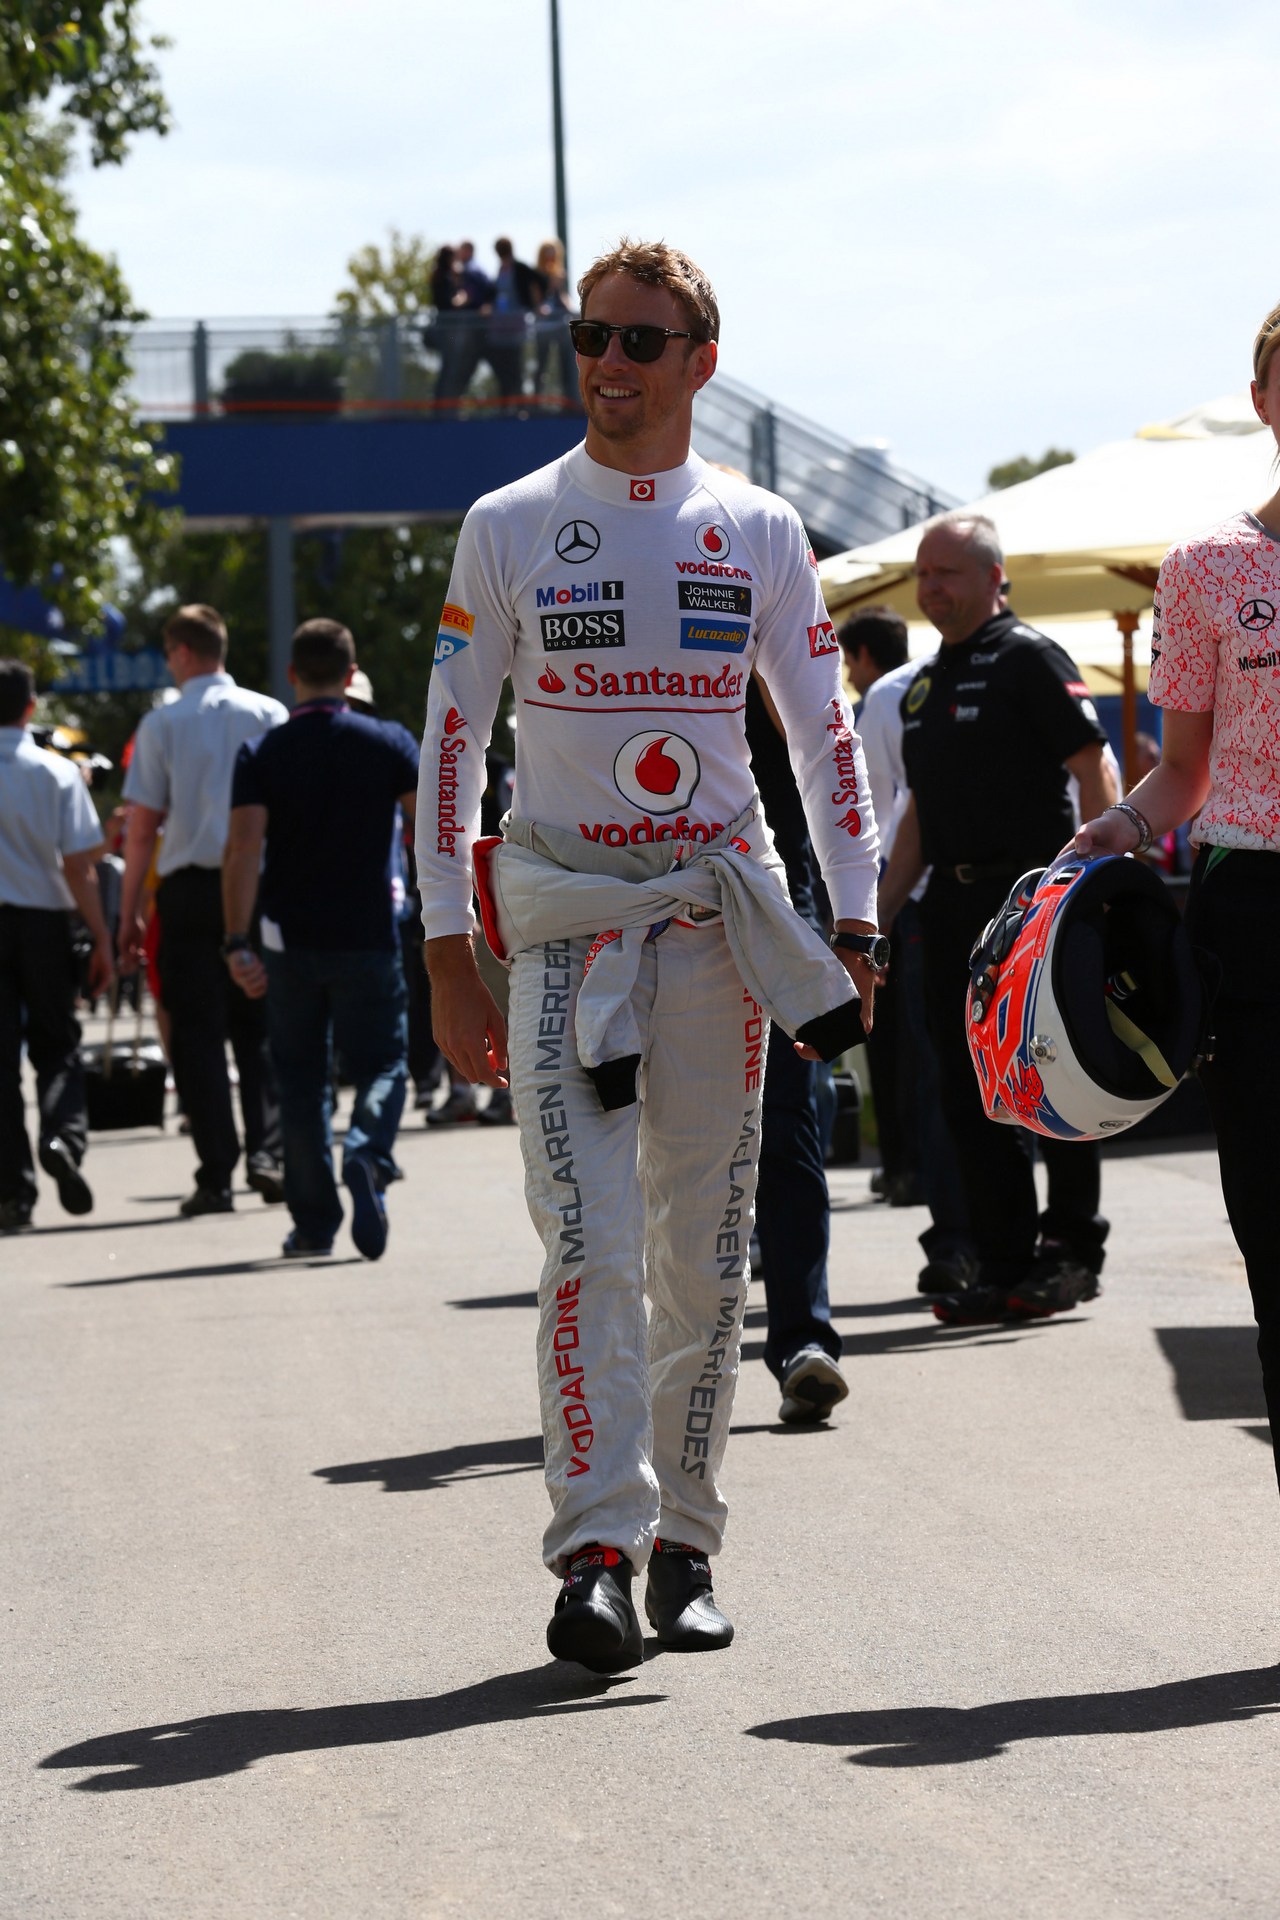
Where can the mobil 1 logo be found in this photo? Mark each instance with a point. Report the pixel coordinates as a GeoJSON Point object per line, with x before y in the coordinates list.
{"type": "Point", "coordinates": [706, 596]}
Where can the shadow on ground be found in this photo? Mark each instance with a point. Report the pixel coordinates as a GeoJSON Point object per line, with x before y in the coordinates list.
{"type": "Point", "coordinates": [951, 1736]}
{"type": "Point", "coordinates": [211, 1745]}
{"type": "Point", "coordinates": [446, 1467]}
{"type": "Point", "coordinates": [1216, 1375]}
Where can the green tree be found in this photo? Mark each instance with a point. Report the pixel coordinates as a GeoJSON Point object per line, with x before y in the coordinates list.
{"type": "Point", "coordinates": [382, 283]}
{"type": "Point", "coordinates": [1013, 472]}
{"type": "Point", "coordinates": [76, 471]}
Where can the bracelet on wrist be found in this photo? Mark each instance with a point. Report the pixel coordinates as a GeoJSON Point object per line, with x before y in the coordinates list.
{"type": "Point", "coordinates": [1136, 820]}
{"type": "Point", "coordinates": [236, 943]}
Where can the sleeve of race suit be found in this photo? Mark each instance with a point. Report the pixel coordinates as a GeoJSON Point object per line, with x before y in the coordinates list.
{"type": "Point", "coordinates": [799, 658]}
{"type": "Point", "coordinates": [474, 650]}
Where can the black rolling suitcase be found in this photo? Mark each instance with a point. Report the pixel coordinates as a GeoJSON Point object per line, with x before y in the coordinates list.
{"type": "Point", "coordinates": [124, 1084]}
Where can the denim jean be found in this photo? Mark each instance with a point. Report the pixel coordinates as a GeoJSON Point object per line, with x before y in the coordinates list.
{"type": "Point", "coordinates": [315, 1000]}
{"type": "Point", "coordinates": [793, 1209]}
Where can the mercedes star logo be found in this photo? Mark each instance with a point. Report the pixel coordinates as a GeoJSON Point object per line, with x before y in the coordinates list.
{"type": "Point", "coordinates": [576, 542]}
{"type": "Point", "coordinates": [1255, 614]}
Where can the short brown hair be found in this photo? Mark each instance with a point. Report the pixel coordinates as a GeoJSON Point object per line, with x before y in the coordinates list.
{"type": "Point", "coordinates": [881, 631]}
{"type": "Point", "coordinates": [202, 629]}
{"type": "Point", "coordinates": [1265, 345]}
{"type": "Point", "coordinates": [322, 652]}
{"type": "Point", "coordinates": [654, 264]}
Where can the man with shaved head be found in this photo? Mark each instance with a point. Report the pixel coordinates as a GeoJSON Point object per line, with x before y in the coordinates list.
{"type": "Point", "coordinates": [993, 726]}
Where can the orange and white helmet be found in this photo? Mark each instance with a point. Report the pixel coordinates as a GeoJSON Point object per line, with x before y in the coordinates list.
{"type": "Point", "coordinates": [1086, 1004]}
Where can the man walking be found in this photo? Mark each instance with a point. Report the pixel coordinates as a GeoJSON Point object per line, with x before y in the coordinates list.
{"type": "Point", "coordinates": [320, 795]}
{"type": "Point", "coordinates": [993, 726]}
{"type": "Point", "coordinates": [50, 838]}
{"type": "Point", "coordinates": [628, 589]}
{"type": "Point", "coordinates": [180, 778]}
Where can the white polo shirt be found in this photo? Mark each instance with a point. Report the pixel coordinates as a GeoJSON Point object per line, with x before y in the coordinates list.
{"type": "Point", "coordinates": [45, 812]}
{"type": "Point", "coordinates": [184, 756]}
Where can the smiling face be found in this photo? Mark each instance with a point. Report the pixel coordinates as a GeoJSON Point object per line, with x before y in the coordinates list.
{"type": "Point", "coordinates": [640, 416]}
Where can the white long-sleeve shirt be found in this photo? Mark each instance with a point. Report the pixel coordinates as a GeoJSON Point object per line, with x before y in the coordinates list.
{"type": "Point", "coordinates": [628, 612]}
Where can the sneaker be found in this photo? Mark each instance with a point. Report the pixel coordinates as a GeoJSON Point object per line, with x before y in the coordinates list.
{"type": "Point", "coordinates": [206, 1200]}
{"type": "Point", "coordinates": [368, 1210]}
{"type": "Point", "coordinates": [978, 1306]}
{"type": "Point", "coordinates": [949, 1273]}
{"type": "Point", "coordinates": [1055, 1284]}
{"type": "Point", "coordinates": [681, 1607]}
{"type": "Point", "coordinates": [594, 1621]}
{"type": "Point", "coordinates": [499, 1112]}
{"type": "Point", "coordinates": [812, 1384]}
{"type": "Point", "coordinates": [266, 1176]}
{"type": "Point", "coordinates": [60, 1163]}
{"type": "Point", "coordinates": [15, 1216]}
{"type": "Point", "coordinates": [298, 1247]}
{"type": "Point", "coordinates": [459, 1107]}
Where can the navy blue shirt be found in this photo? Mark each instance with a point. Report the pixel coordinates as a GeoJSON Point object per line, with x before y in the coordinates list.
{"type": "Point", "coordinates": [330, 780]}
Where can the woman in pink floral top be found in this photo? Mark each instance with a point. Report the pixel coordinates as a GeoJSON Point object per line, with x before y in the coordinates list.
{"type": "Point", "coordinates": [1215, 670]}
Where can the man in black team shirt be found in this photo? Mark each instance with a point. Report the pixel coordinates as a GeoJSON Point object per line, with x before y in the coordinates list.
{"type": "Point", "coordinates": [323, 798]}
{"type": "Point", "coordinates": [992, 727]}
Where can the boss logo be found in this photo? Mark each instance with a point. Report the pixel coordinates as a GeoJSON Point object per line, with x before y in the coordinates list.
{"type": "Point", "coordinates": [564, 631]}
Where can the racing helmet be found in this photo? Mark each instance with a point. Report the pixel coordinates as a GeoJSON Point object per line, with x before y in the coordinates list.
{"type": "Point", "coordinates": [1085, 1005]}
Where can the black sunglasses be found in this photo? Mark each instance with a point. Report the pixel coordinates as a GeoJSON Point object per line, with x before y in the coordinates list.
{"type": "Point", "coordinates": [591, 339]}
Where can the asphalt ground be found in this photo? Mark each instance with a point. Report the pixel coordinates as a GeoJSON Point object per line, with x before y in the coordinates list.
{"type": "Point", "coordinates": [274, 1608]}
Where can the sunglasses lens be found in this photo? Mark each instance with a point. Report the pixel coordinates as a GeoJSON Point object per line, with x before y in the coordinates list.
{"type": "Point", "coordinates": [589, 338]}
{"type": "Point", "coordinates": [643, 343]}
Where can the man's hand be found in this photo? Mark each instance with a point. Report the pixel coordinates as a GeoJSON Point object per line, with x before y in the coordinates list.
{"type": "Point", "coordinates": [469, 1030]}
{"type": "Point", "coordinates": [101, 964]}
{"type": "Point", "coordinates": [863, 975]}
{"type": "Point", "coordinates": [247, 972]}
{"type": "Point", "coordinates": [131, 944]}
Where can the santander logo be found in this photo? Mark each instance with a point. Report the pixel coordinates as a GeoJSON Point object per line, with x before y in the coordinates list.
{"type": "Point", "coordinates": [550, 681]}
{"type": "Point", "coordinates": [712, 541]}
{"type": "Point", "coordinates": [657, 772]}
{"type": "Point", "coordinates": [453, 721]}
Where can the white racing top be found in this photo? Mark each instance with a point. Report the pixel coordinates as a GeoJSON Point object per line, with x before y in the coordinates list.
{"type": "Point", "coordinates": [628, 612]}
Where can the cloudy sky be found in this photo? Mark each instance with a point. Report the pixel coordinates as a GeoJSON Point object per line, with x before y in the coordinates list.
{"type": "Point", "coordinates": [971, 232]}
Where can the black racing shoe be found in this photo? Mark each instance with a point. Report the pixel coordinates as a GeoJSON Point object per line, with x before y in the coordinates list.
{"type": "Point", "coordinates": [681, 1607]}
{"type": "Point", "coordinates": [1055, 1284]}
{"type": "Point", "coordinates": [594, 1621]}
{"type": "Point", "coordinates": [949, 1273]}
{"type": "Point", "coordinates": [60, 1163]}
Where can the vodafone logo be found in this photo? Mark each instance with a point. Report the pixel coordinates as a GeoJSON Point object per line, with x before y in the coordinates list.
{"type": "Point", "coordinates": [644, 489]}
{"type": "Point", "coordinates": [453, 721]}
{"type": "Point", "coordinates": [712, 541]}
{"type": "Point", "coordinates": [657, 772]}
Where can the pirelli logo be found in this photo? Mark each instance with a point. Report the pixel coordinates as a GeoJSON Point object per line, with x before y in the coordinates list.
{"type": "Point", "coordinates": [458, 618]}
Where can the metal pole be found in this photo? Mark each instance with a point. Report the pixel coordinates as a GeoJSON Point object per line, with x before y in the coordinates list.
{"type": "Point", "coordinates": [557, 132]}
{"type": "Point", "coordinates": [280, 597]}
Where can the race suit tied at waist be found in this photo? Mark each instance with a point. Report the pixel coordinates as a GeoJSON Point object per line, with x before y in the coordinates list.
{"type": "Point", "coordinates": [546, 883]}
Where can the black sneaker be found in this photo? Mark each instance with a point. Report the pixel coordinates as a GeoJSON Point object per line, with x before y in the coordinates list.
{"type": "Point", "coordinates": [594, 1621]}
{"type": "Point", "coordinates": [812, 1384]}
{"type": "Point", "coordinates": [298, 1247]}
{"type": "Point", "coordinates": [498, 1112]}
{"type": "Point", "coordinates": [266, 1176]}
{"type": "Point", "coordinates": [60, 1163]}
{"type": "Point", "coordinates": [681, 1607]}
{"type": "Point", "coordinates": [1055, 1284]}
{"type": "Point", "coordinates": [949, 1273]}
{"type": "Point", "coordinates": [15, 1217]}
{"type": "Point", "coordinates": [206, 1200]}
{"type": "Point", "coordinates": [976, 1306]}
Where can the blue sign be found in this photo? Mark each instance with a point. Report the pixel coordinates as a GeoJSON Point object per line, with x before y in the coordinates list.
{"type": "Point", "coordinates": [113, 672]}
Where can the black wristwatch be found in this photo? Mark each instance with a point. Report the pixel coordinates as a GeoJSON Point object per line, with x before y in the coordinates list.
{"type": "Point", "coordinates": [873, 946]}
{"type": "Point", "coordinates": [236, 943]}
